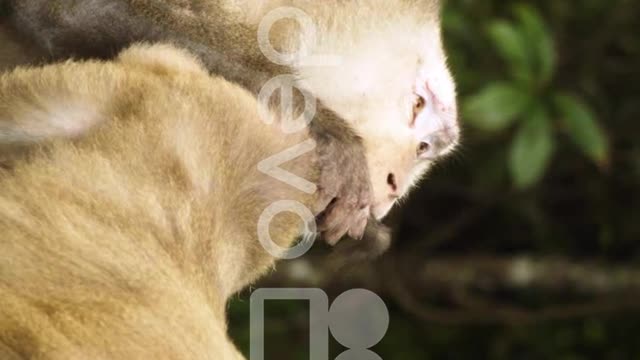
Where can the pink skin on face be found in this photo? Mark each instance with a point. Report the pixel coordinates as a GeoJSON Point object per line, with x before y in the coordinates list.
{"type": "Point", "coordinates": [437, 117]}
{"type": "Point", "coordinates": [435, 133]}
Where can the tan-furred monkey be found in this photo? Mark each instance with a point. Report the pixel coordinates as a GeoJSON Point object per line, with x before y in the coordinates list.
{"type": "Point", "coordinates": [393, 67]}
{"type": "Point", "coordinates": [134, 217]}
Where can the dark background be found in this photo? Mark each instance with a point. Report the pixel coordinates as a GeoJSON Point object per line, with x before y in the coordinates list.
{"type": "Point", "coordinates": [526, 243]}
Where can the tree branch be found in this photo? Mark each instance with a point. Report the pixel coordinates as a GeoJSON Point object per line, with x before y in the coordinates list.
{"type": "Point", "coordinates": [474, 285]}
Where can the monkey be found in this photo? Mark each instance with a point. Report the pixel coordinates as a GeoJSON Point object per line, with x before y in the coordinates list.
{"type": "Point", "coordinates": [375, 40]}
{"type": "Point", "coordinates": [128, 227]}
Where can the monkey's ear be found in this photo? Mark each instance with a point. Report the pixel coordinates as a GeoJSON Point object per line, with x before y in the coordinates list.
{"type": "Point", "coordinates": [162, 59]}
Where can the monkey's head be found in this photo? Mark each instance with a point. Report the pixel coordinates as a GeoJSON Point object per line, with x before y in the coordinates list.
{"type": "Point", "coordinates": [392, 83]}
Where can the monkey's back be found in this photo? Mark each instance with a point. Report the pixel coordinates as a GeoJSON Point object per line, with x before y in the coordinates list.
{"type": "Point", "coordinates": [126, 243]}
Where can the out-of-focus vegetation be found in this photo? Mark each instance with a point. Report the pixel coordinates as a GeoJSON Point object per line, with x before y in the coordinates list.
{"type": "Point", "coordinates": [528, 97]}
{"type": "Point", "coordinates": [525, 245]}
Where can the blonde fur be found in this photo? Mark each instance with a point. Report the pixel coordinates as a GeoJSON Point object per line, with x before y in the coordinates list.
{"type": "Point", "coordinates": [134, 216]}
{"type": "Point", "coordinates": [127, 242]}
{"type": "Point", "coordinates": [390, 57]}
{"type": "Point", "coordinates": [386, 53]}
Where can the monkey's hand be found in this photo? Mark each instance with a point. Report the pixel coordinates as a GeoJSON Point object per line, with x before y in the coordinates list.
{"type": "Point", "coordinates": [345, 193]}
{"type": "Point", "coordinates": [376, 241]}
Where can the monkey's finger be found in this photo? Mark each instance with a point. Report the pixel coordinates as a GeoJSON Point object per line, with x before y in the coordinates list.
{"type": "Point", "coordinates": [322, 220]}
{"type": "Point", "coordinates": [323, 202]}
{"type": "Point", "coordinates": [357, 231]}
{"type": "Point", "coordinates": [333, 236]}
{"type": "Point", "coordinates": [338, 212]}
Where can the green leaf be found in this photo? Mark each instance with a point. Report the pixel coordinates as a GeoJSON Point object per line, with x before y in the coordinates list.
{"type": "Point", "coordinates": [532, 149]}
{"type": "Point", "coordinates": [539, 40]}
{"type": "Point", "coordinates": [512, 46]}
{"type": "Point", "coordinates": [454, 22]}
{"type": "Point", "coordinates": [495, 107]}
{"type": "Point", "coordinates": [583, 128]}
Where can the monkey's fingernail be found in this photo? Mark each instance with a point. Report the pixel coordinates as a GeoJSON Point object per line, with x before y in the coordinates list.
{"type": "Point", "coordinates": [332, 239]}
{"type": "Point", "coordinates": [357, 232]}
{"type": "Point", "coordinates": [337, 233]}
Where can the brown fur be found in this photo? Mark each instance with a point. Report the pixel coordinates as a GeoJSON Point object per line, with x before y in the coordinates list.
{"type": "Point", "coordinates": [127, 242]}
{"type": "Point", "coordinates": [15, 50]}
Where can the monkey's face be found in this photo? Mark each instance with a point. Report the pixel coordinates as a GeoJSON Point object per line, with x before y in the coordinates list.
{"type": "Point", "coordinates": [399, 156]}
{"type": "Point", "coordinates": [393, 85]}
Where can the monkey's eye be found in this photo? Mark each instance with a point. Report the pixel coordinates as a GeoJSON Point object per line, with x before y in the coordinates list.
{"type": "Point", "coordinates": [418, 105]}
{"type": "Point", "coordinates": [423, 149]}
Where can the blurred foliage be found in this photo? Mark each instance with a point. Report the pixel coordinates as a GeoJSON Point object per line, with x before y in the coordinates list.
{"type": "Point", "coordinates": [4, 7]}
{"type": "Point", "coordinates": [550, 165]}
{"type": "Point", "coordinates": [528, 98]}
{"type": "Point", "coordinates": [550, 146]}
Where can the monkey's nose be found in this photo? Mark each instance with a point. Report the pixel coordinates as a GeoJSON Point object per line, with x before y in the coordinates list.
{"type": "Point", "coordinates": [393, 185]}
{"type": "Point", "coordinates": [437, 144]}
